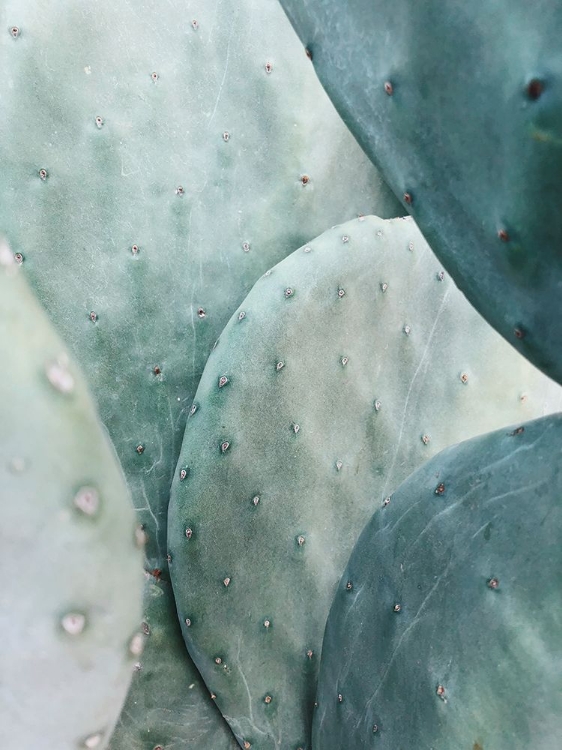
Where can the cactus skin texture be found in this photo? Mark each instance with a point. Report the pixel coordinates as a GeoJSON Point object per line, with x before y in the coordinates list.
{"type": "Point", "coordinates": [151, 154]}
{"type": "Point", "coordinates": [70, 600]}
{"type": "Point", "coordinates": [469, 552]}
{"type": "Point", "coordinates": [327, 388]}
{"type": "Point", "coordinates": [148, 171]}
{"type": "Point", "coordinates": [460, 107]}
{"type": "Point", "coordinates": [168, 705]}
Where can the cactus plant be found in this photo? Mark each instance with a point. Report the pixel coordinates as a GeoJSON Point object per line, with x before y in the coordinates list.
{"type": "Point", "coordinates": [148, 172]}
{"type": "Point", "coordinates": [459, 105]}
{"type": "Point", "coordinates": [168, 705]}
{"type": "Point", "coordinates": [445, 631]}
{"type": "Point", "coordinates": [70, 601]}
{"type": "Point", "coordinates": [328, 387]}
{"type": "Point", "coordinates": [157, 158]}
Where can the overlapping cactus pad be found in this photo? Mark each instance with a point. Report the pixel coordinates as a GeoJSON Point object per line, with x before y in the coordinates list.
{"type": "Point", "coordinates": [70, 600]}
{"type": "Point", "coordinates": [162, 161]}
{"type": "Point", "coordinates": [445, 630]}
{"type": "Point", "coordinates": [168, 705]}
{"type": "Point", "coordinates": [329, 385]}
{"type": "Point", "coordinates": [460, 104]}
{"type": "Point", "coordinates": [152, 156]}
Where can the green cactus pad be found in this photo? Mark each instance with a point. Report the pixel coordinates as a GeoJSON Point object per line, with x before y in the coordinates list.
{"type": "Point", "coordinates": [168, 705]}
{"type": "Point", "coordinates": [152, 156]}
{"type": "Point", "coordinates": [451, 634]}
{"type": "Point", "coordinates": [323, 366]}
{"type": "Point", "coordinates": [460, 105]}
{"type": "Point", "coordinates": [70, 600]}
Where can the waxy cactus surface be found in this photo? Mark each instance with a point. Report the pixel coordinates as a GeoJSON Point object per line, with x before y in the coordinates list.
{"type": "Point", "coordinates": [158, 157]}
{"type": "Point", "coordinates": [328, 387]}
{"type": "Point", "coordinates": [446, 628]}
{"type": "Point", "coordinates": [168, 705]}
{"type": "Point", "coordinates": [70, 600]}
{"type": "Point", "coordinates": [460, 105]}
{"type": "Point", "coordinates": [153, 154]}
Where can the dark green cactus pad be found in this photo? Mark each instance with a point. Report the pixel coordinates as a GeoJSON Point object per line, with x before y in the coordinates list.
{"type": "Point", "coordinates": [446, 629]}
{"type": "Point", "coordinates": [168, 706]}
{"type": "Point", "coordinates": [70, 599]}
{"type": "Point", "coordinates": [156, 159]}
{"type": "Point", "coordinates": [460, 105]}
{"type": "Point", "coordinates": [323, 367]}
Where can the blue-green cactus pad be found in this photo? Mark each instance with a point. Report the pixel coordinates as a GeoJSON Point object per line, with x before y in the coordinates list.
{"type": "Point", "coordinates": [446, 628]}
{"type": "Point", "coordinates": [460, 105]}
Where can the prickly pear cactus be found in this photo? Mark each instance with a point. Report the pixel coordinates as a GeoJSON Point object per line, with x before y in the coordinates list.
{"type": "Point", "coordinates": [327, 388]}
{"type": "Point", "coordinates": [459, 105]}
{"type": "Point", "coordinates": [70, 600]}
{"type": "Point", "coordinates": [152, 154]}
{"type": "Point", "coordinates": [445, 631]}
{"type": "Point", "coordinates": [168, 705]}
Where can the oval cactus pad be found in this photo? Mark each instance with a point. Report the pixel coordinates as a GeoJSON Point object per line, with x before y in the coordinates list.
{"type": "Point", "coordinates": [348, 365]}
{"type": "Point", "coordinates": [446, 628]}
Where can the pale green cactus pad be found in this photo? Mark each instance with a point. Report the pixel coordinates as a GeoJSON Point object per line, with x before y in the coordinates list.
{"type": "Point", "coordinates": [349, 365]}
{"type": "Point", "coordinates": [168, 705]}
{"type": "Point", "coordinates": [157, 157]}
{"type": "Point", "coordinates": [70, 600]}
{"type": "Point", "coordinates": [446, 629]}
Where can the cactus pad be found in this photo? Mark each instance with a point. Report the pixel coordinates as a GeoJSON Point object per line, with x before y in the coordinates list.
{"type": "Point", "coordinates": [151, 154]}
{"type": "Point", "coordinates": [168, 705]}
{"type": "Point", "coordinates": [451, 635]}
{"type": "Point", "coordinates": [327, 388]}
{"type": "Point", "coordinates": [460, 105]}
{"type": "Point", "coordinates": [70, 600]}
